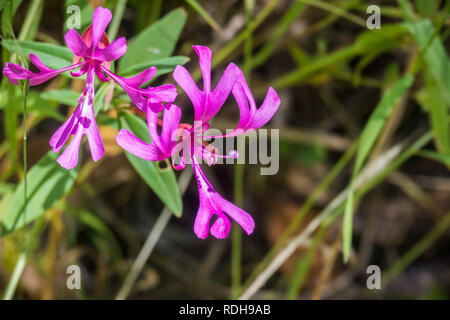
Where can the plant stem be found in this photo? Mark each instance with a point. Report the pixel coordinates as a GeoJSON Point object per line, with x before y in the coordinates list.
{"type": "Point", "coordinates": [26, 33]}
{"type": "Point", "coordinates": [22, 260]}
{"type": "Point", "coordinates": [151, 241]}
{"type": "Point", "coordinates": [233, 44]}
{"type": "Point", "coordinates": [236, 234]}
{"type": "Point", "coordinates": [413, 253]}
{"type": "Point", "coordinates": [307, 206]}
{"type": "Point", "coordinates": [155, 11]}
{"type": "Point", "coordinates": [205, 15]}
{"type": "Point", "coordinates": [373, 174]}
{"type": "Point", "coordinates": [115, 23]}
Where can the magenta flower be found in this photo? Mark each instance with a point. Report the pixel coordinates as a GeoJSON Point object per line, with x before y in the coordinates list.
{"type": "Point", "coordinates": [92, 55]}
{"type": "Point", "coordinates": [189, 140]}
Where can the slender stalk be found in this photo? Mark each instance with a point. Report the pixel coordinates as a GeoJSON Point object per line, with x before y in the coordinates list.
{"type": "Point", "coordinates": [30, 19]}
{"type": "Point", "coordinates": [304, 265]}
{"type": "Point", "coordinates": [22, 260]}
{"type": "Point", "coordinates": [14, 280]}
{"type": "Point", "coordinates": [236, 235]}
{"type": "Point", "coordinates": [233, 44]}
{"type": "Point", "coordinates": [420, 247]}
{"type": "Point", "coordinates": [307, 206]}
{"type": "Point", "coordinates": [115, 23]}
{"type": "Point", "coordinates": [151, 241]}
{"type": "Point", "coordinates": [205, 15]}
{"type": "Point", "coordinates": [155, 10]}
{"type": "Point", "coordinates": [337, 10]}
{"type": "Point", "coordinates": [25, 155]}
{"type": "Point", "coordinates": [20, 264]}
{"type": "Point", "coordinates": [373, 174]}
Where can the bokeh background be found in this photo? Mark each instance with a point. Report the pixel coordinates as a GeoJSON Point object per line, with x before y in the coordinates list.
{"type": "Point", "coordinates": [331, 73]}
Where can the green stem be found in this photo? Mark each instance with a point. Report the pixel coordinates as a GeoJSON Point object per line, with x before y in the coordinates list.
{"type": "Point", "coordinates": [25, 155]}
{"type": "Point", "coordinates": [419, 248]}
{"type": "Point", "coordinates": [22, 260]}
{"type": "Point", "coordinates": [307, 206]}
{"type": "Point", "coordinates": [236, 234]}
{"type": "Point", "coordinates": [205, 15]}
{"type": "Point", "coordinates": [233, 44]}
{"type": "Point", "coordinates": [155, 11]}
{"type": "Point", "coordinates": [27, 32]}
{"type": "Point", "coordinates": [330, 213]}
{"type": "Point", "coordinates": [115, 23]}
{"type": "Point", "coordinates": [18, 269]}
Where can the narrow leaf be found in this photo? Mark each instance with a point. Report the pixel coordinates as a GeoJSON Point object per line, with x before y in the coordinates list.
{"type": "Point", "coordinates": [47, 182]}
{"type": "Point", "coordinates": [369, 136]}
{"type": "Point", "coordinates": [54, 56]}
{"type": "Point", "coordinates": [155, 42]}
{"type": "Point", "coordinates": [161, 181]}
{"type": "Point", "coordinates": [62, 96]}
{"type": "Point", "coordinates": [434, 54]}
{"type": "Point", "coordinates": [164, 65]}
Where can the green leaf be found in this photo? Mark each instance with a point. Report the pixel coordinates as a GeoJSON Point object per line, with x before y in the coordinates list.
{"type": "Point", "coordinates": [433, 100]}
{"type": "Point", "coordinates": [54, 56]}
{"type": "Point", "coordinates": [426, 7]}
{"type": "Point", "coordinates": [384, 39]}
{"type": "Point", "coordinates": [99, 100]}
{"type": "Point", "coordinates": [161, 181]}
{"type": "Point", "coordinates": [164, 65]}
{"type": "Point", "coordinates": [47, 182]}
{"type": "Point", "coordinates": [378, 118]}
{"type": "Point", "coordinates": [434, 53]}
{"type": "Point", "coordinates": [155, 42]}
{"type": "Point", "coordinates": [69, 97]}
{"type": "Point", "coordinates": [369, 135]}
{"type": "Point", "coordinates": [3, 4]}
{"type": "Point", "coordinates": [41, 107]}
{"type": "Point", "coordinates": [436, 98]}
{"type": "Point", "coordinates": [62, 96]}
{"type": "Point", "coordinates": [443, 158]}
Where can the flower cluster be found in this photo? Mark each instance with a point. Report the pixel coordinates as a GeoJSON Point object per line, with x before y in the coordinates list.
{"type": "Point", "coordinates": [182, 142]}
{"type": "Point", "coordinates": [92, 56]}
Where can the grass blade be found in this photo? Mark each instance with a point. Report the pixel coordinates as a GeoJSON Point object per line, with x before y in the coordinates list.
{"type": "Point", "coordinates": [368, 137]}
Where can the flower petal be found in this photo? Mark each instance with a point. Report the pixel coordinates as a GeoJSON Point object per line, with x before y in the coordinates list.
{"type": "Point", "coordinates": [75, 43]}
{"type": "Point", "coordinates": [237, 214]}
{"type": "Point", "coordinates": [217, 98]}
{"type": "Point", "coordinates": [93, 135]}
{"type": "Point", "coordinates": [142, 77]}
{"type": "Point", "coordinates": [204, 55]}
{"type": "Point", "coordinates": [69, 158]}
{"type": "Point", "coordinates": [266, 111]}
{"type": "Point", "coordinates": [201, 224]}
{"type": "Point", "coordinates": [212, 203]}
{"type": "Point", "coordinates": [128, 141]}
{"type": "Point", "coordinates": [221, 227]}
{"type": "Point", "coordinates": [61, 135]}
{"type": "Point", "coordinates": [166, 93]}
{"type": "Point", "coordinates": [15, 72]}
{"type": "Point", "coordinates": [139, 96]}
{"type": "Point", "coordinates": [171, 120]}
{"type": "Point", "coordinates": [242, 101]}
{"type": "Point", "coordinates": [100, 21]}
{"type": "Point", "coordinates": [185, 81]}
{"type": "Point", "coordinates": [114, 51]}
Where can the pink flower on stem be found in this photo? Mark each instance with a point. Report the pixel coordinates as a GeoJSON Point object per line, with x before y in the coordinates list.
{"type": "Point", "coordinates": [92, 55]}
{"type": "Point", "coordinates": [193, 147]}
